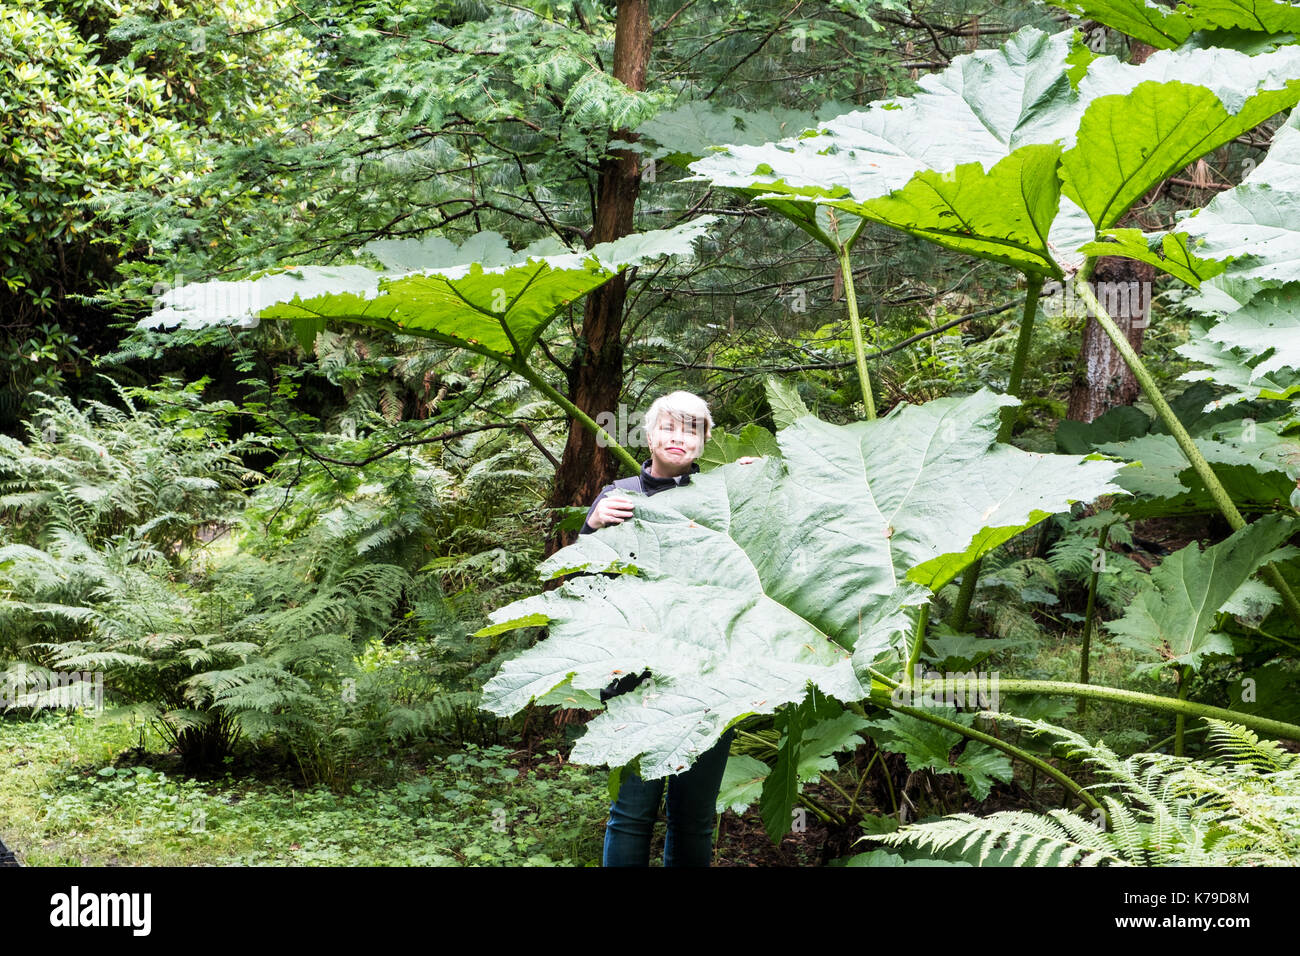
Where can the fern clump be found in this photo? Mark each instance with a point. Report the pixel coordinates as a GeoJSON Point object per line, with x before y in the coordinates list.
{"type": "Point", "coordinates": [134, 549]}
{"type": "Point", "coordinates": [102, 474]}
{"type": "Point", "coordinates": [1238, 809]}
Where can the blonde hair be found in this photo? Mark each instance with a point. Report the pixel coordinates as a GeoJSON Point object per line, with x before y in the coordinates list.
{"type": "Point", "coordinates": [683, 406]}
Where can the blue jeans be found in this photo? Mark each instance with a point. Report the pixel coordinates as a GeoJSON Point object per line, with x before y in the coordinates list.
{"type": "Point", "coordinates": [692, 812]}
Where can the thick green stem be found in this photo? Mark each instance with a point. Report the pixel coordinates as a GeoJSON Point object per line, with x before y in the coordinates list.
{"type": "Point", "coordinates": [1168, 705]}
{"type": "Point", "coordinates": [1154, 748]}
{"type": "Point", "coordinates": [855, 325]}
{"type": "Point", "coordinates": [1181, 436]}
{"type": "Point", "coordinates": [970, 577]}
{"type": "Point", "coordinates": [1180, 722]}
{"type": "Point", "coordinates": [754, 738]}
{"type": "Point", "coordinates": [1032, 292]}
{"type": "Point", "coordinates": [965, 594]}
{"type": "Point", "coordinates": [1090, 615]}
{"type": "Point", "coordinates": [918, 641]}
{"type": "Point", "coordinates": [885, 700]}
{"type": "Point", "coordinates": [560, 399]}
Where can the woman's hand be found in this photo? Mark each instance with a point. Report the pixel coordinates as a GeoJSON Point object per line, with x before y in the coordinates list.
{"type": "Point", "coordinates": [614, 508]}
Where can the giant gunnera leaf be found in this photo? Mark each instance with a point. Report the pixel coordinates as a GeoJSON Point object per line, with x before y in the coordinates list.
{"type": "Point", "coordinates": [969, 161]}
{"type": "Point", "coordinates": [744, 587]}
{"type": "Point", "coordinates": [1268, 328]}
{"type": "Point", "coordinates": [1255, 227]}
{"type": "Point", "coordinates": [1021, 154]}
{"type": "Point", "coordinates": [1244, 240]}
{"type": "Point", "coordinates": [1237, 369]}
{"type": "Point", "coordinates": [479, 296]}
{"type": "Point", "coordinates": [1166, 26]}
{"type": "Point", "coordinates": [688, 132]}
{"type": "Point", "coordinates": [1255, 351]}
{"type": "Point", "coordinates": [1144, 123]}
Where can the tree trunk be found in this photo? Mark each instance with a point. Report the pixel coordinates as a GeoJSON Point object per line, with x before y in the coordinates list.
{"type": "Point", "coordinates": [1102, 380]}
{"type": "Point", "coordinates": [596, 374]}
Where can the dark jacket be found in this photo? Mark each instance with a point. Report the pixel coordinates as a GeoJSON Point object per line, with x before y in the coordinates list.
{"type": "Point", "coordinates": [647, 484]}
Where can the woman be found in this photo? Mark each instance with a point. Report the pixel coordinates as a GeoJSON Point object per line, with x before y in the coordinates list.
{"type": "Point", "coordinates": [676, 426]}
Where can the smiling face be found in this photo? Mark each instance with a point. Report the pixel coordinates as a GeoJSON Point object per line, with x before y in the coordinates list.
{"type": "Point", "coordinates": [675, 443]}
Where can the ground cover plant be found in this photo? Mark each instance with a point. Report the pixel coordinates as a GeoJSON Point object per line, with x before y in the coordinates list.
{"type": "Point", "coordinates": [72, 801]}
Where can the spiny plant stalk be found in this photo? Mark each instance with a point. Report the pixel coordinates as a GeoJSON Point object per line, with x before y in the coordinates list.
{"type": "Point", "coordinates": [1159, 744]}
{"type": "Point", "coordinates": [1032, 292]}
{"type": "Point", "coordinates": [823, 812]}
{"type": "Point", "coordinates": [577, 413]}
{"type": "Point", "coordinates": [918, 640]}
{"type": "Point", "coordinates": [855, 324]}
{"type": "Point", "coordinates": [1180, 722]}
{"type": "Point", "coordinates": [1035, 288]}
{"type": "Point", "coordinates": [842, 247]}
{"type": "Point", "coordinates": [1170, 420]}
{"type": "Point", "coordinates": [965, 595]}
{"type": "Point", "coordinates": [1169, 705]}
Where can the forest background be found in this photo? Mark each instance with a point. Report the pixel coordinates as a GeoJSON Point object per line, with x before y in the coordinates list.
{"type": "Point", "coordinates": [268, 552]}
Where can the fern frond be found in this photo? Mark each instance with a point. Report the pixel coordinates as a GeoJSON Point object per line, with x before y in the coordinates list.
{"type": "Point", "coordinates": [1159, 810]}
{"type": "Point", "coordinates": [1018, 837]}
{"type": "Point", "coordinates": [1242, 746]}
